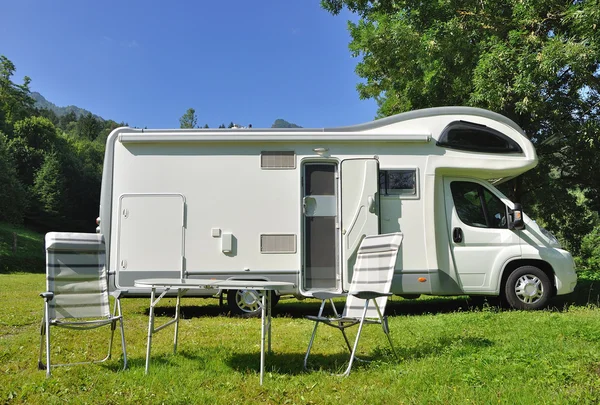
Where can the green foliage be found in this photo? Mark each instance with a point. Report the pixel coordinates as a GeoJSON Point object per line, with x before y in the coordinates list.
{"type": "Point", "coordinates": [38, 132]}
{"type": "Point", "coordinates": [14, 201]}
{"type": "Point", "coordinates": [28, 160]}
{"type": "Point", "coordinates": [15, 101]}
{"type": "Point", "coordinates": [66, 120]}
{"type": "Point", "coordinates": [89, 127]}
{"type": "Point", "coordinates": [588, 262]}
{"type": "Point", "coordinates": [48, 186]}
{"type": "Point", "coordinates": [189, 119]}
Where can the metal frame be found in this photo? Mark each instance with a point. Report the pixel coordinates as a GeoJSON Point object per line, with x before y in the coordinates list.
{"type": "Point", "coordinates": [183, 285]}
{"type": "Point", "coordinates": [79, 325]}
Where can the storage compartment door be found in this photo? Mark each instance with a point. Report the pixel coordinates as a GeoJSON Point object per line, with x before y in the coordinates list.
{"type": "Point", "coordinates": [360, 208]}
{"type": "Point", "coordinates": [150, 239]}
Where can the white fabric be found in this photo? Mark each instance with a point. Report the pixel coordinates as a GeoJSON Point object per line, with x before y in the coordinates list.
{"type": "Point", "coordinates": [76, 274]}
{"type": "Point", "coordinates": [373, 271]}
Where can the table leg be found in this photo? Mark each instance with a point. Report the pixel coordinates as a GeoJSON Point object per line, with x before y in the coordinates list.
{"type": "Point", "coordinates": [177, 308]}
{"type": "Point", "coordinates": [150, 329]}
{"type": "Point", "coordinates": [262, 337]}
{"type": "Point", "coordinates": [268, 294]}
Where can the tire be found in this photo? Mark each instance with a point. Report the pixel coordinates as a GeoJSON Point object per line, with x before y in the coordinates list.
{"type": "Point", "coordinates": [245, 303]}
{"type": "Point", "coordinates": [528, 287]}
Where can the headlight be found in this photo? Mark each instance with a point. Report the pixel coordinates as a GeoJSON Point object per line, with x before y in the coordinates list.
{"type": "Point", "coordinates": [550, 236]}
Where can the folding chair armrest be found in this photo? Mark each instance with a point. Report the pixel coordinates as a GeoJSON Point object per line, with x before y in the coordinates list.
{"type": "Point", "coordinates": [367, 295]}
{"type": "Point", "coordinates": [323, 295]}
{"type": "Point", "coordinates": [47, 295]}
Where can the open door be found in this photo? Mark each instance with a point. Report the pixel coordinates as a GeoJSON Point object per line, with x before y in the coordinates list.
{"type": "Point", "coordinates": [359, 208]}
{"type": "Point", "coordinates": [320, 227]}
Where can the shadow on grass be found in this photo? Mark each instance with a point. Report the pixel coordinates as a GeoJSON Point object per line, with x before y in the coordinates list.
{"type": "Point", "coordinates": [161, 359]}
{"type": "Point", "coordinates": [292, 363]}
{"type": "Point", "coordinates": [586, 293]}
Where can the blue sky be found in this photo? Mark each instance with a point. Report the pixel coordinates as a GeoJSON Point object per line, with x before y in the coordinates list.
{"type": "Point", "coordinates": [147, 62]}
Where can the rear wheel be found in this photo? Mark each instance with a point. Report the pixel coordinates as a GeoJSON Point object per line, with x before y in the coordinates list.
{"type": "Point", "coordinates": [528, 287]}
{"type": "Point", "coordinates": [246, 303]}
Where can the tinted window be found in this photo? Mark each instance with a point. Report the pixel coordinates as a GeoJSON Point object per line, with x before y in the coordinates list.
{"type": "Point", "coordinates": [398, 182]}
{"type": "Point", "coordinates": [478, 138]}
{"type": "Point", "coordinates": [477, 206]}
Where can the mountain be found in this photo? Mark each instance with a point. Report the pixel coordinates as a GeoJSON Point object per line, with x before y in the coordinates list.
{"type": "Point", "coordinates": [41, 102]}
{"type": "Point", "coordinates": [279, 123]}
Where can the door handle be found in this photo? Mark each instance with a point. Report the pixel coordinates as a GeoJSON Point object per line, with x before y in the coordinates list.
{"type": "Point", "coordinates": [457, 235]}
{"type": "Point", "coordinates": [371, 203]}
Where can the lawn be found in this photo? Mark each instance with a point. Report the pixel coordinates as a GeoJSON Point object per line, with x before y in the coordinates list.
{"type": "Point", "coordinates": [450, 352]}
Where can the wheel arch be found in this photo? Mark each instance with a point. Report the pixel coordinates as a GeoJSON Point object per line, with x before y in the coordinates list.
{"type": "Point", "coordinates": [515, 264]}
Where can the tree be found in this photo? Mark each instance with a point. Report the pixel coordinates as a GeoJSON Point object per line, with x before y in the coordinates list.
{"type": "Point", "coordinates": [88, 127]}
{"type": "Point", "coordinates": [536, 62]}
{"type": "Point", "coordinates": [15, 100]}
{"type": "Point", "coordinates": [65, 120]}
{"type": "Point", "coordinates": [49, 185]}
{"type": "Point", "coordinates": [38, 132]}
{"type": "Point", "coordinates": [33, 137]}
{"type": "Point", "coordinates": [189, 119]}
{"type": "Point", "coordinates": [14, 199]}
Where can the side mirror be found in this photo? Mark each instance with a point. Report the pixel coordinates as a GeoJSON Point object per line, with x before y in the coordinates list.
{"type": "Point", "coordinates": [516, 216]}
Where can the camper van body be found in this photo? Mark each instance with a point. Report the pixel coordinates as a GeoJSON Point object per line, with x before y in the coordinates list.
{"type": "Point", "coordinates": [294, 204]}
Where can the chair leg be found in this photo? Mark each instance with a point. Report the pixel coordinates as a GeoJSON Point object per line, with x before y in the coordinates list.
{"type": "Point", "coordinates": [41, 365]}
{"type": "Point", "coordinates": [386, 328]}
{"type": "Point", "coordinates": [47, 330]}
{"type": "Point", "coordinates": [360, 326]}
{"type": "Point", "coordinates": [312, 339]}
{"type": "Point", "coordinates": [121, 323]}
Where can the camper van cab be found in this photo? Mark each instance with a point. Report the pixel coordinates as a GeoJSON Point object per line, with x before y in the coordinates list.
{"type": "Point", "coordinates": [294, 205]}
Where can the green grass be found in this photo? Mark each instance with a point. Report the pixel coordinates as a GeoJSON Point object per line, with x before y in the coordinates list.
{"type": "Point", "coordinates": [29, 255]}
{"type": "Point", "coordinates": [450, 352]}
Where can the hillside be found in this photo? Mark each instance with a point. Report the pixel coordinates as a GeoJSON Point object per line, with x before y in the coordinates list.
{"type": "Point", "coordinates": [281, 123]}
{"type": "Point", "coordinates": [41, 102]}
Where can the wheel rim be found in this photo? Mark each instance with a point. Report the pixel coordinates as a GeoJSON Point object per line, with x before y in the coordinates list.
{"type": "Point", "coordinates": [529, 289]}
{"type": "Point", "coordinates": [248, 300]}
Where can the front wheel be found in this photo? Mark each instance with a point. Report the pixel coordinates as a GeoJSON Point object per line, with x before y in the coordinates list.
{"type": "Point", "coordinates": [246, 303]}
{"type": "Point", "coordinates": [528, 287]}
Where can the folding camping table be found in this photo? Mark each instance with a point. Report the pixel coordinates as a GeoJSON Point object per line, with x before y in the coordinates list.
{"type": "Point", "coordinates": [182, 285]}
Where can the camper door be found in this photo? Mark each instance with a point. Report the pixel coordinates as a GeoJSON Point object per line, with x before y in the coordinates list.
{"type": "Point", "coordinates": [360, 209]}
{"type": "Point", "coordinates": [150, 238]}
{"type": "Point", "coordinates": [330, 239]}
{"type": "Point", "coordinates": [478, 232]}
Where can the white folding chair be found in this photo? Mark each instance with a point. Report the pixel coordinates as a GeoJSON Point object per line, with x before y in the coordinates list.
{"type": "Point", "coordinates": [368, 293]}
{"type": "Point", "coordinates": [76, 294]}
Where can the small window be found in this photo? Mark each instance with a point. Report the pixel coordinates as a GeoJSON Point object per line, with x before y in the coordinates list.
{"type": "Point", "coordinates": [477, 206]}
{"type": "Point", "coordinates": [463, 135]}
{"type": "Point", "coordinates": [398, 182]}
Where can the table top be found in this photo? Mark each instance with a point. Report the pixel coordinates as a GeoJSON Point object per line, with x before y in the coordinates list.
{"type": "Point", "coordinates": [212, 283]}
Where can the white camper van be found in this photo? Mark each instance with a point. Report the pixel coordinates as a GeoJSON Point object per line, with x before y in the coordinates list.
{"type": "Point", "coordinates": [294, 204]}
